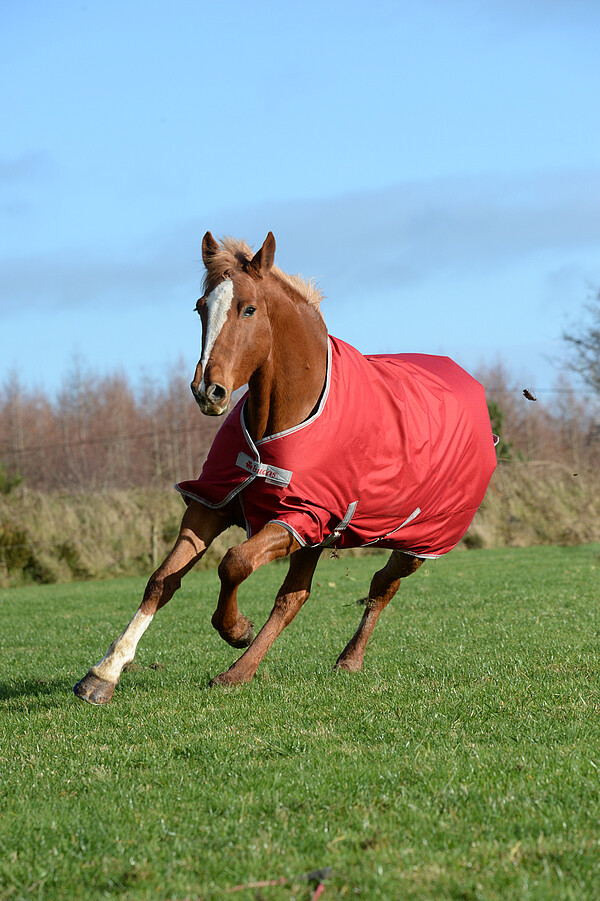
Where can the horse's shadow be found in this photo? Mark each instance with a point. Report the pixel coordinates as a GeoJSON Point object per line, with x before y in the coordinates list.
{"type": "Point", "coordinates": [35, 688]}
{"type": "Point", "coordinates": [56, 689]}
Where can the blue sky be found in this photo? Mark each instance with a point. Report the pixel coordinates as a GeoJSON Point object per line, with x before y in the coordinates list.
{"type": "Point", "coordinates": [434, 164]}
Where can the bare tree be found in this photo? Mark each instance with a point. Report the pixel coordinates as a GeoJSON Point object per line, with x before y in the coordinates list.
{"type": "Point", "coordinates": [584, 345]}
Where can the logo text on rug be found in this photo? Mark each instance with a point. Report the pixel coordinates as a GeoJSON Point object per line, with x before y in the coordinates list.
{"type": "Point", "coordinates": [272, 474]}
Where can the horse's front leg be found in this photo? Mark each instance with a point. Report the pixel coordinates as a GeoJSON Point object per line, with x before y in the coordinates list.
{"type": "Point", "coordinates": [199, 528]}
{"type": "Point", "coordinates": [272, 542]}
{"type": "Point", "coordinates": [238, 563]}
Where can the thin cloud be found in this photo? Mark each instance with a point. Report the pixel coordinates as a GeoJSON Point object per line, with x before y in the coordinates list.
{"type": "Point", "coordinates": [413, 232]}
{"type": "Point", "coordinates": [403, 234]}
{"type": "Point", "coordinates": [84, 278]}
{"type": "Point", "coordinates": [25, 166]}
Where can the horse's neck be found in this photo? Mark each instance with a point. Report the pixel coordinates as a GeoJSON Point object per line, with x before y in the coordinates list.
{"type": "Point", "coordinates": [285, 390]}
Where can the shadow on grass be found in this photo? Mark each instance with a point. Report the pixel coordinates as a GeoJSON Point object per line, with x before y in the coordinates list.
{"type": "Point", "coordinates": [58, 690]}
{"type": "Point", "coordinates": [35, 688]}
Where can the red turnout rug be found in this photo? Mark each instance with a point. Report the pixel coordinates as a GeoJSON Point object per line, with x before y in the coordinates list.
{"type": "Point", "coordinates": [398, 454]}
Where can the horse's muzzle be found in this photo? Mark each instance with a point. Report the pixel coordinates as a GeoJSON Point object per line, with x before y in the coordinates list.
{"type": "Point", "coordinates": [213, 401]}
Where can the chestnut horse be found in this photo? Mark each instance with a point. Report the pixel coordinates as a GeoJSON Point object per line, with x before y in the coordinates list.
{"type": "Point", "coordinates": [263, 328]}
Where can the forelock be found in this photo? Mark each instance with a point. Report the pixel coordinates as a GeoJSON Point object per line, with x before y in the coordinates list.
{"type": "Point", "coordinates": [235, 254]}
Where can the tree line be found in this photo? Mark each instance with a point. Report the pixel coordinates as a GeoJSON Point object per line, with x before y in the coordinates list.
{"type": "Point", "coordinates": [101, 433]}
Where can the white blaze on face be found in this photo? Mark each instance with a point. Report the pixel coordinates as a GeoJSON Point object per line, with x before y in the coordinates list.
{"type": "Point", "coordinates": [218, 304]}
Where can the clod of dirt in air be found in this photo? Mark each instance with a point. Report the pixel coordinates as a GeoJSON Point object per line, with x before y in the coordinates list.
{"type": "Point", "coordinates": [529, 394]}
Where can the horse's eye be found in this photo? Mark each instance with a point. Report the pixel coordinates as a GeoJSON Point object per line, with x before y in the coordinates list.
{"type": "Point", "coordinates": [249, 311]}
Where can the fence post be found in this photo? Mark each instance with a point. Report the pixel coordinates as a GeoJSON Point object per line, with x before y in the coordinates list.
{"type": "Point", "coordinates": [154, 536]}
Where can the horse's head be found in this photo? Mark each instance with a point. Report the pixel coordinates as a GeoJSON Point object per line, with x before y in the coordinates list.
{"type": "Point", "coordinates": [236, 332]}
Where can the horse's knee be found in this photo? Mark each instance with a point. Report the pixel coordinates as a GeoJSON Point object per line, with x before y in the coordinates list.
{"type": "Point", "coordinates": [160, 588]}
{"type": "Point", "coordinates": [154, 586]}
{"type": "Point", "coordinates": [291, 599]}
{"type": "Point", "coordinates": [287, 605]}
{"type": "Point", "coordinates": [234, 567]}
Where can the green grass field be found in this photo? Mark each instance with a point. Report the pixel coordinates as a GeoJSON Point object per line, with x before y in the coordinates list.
{"type": "Point", "coordinates": [463, 762]}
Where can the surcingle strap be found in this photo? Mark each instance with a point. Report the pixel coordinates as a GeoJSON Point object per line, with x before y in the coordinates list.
{"type": "Point", "coordinates": [344, 523]}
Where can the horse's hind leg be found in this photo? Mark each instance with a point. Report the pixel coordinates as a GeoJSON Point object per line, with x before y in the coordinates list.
{"type": "Point", "coordinates": [199, 527]}
{"type": "Point", "coordinates": [384, 586]}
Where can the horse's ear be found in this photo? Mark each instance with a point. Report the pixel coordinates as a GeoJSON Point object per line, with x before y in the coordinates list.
{"type": "Point", "coordinates": [262, 261]}
{"type": "Point", "coordinates": [209, 247]}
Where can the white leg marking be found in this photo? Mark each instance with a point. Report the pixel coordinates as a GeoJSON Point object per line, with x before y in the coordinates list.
{"type": "Point", "coordinates": [122, 650]}
{"type": "Point", "coordinates": [218, 304]}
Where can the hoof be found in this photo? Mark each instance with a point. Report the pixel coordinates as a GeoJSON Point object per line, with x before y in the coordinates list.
{"type": "Point", "coordinates": [242, 634]}
{"type": "Point", "coordinates": [245, 641]}
{"type": "Point", "coordinates": [226, 680]}
{"type": "Point", "coordinates": [94, 690]}
{"type": "Point", "coordinates": [348, 666]}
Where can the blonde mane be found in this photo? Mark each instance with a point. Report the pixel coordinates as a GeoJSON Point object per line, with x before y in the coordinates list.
{"type": "Point", "coordinates": [235, 253]}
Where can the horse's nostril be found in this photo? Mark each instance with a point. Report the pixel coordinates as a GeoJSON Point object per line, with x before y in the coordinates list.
{"type": "Point", "coordinates": [216, 393]}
